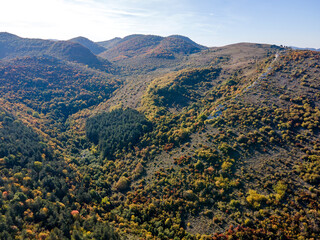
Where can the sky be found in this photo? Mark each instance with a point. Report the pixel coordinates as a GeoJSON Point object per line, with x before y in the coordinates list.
{"type": "Point", "coordinates": [207, 22]}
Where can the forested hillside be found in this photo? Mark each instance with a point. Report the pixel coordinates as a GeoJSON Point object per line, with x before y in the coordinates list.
{"type": "Point", "coordinates": [51, 86]}
{"type": "Point", "coordinates": [92, 46]}
{"type": "Point", "coordinates": [210, 143]}
{"type": "Point", "coordinates": [12, 46]}
{"type": "Point", "coordinates": [40, 191]}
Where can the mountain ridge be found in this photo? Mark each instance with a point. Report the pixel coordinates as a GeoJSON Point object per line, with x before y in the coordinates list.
{"type": "Point", "coordinates": [12, 46]}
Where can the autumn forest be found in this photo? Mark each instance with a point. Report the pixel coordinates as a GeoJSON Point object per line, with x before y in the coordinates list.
{"type": "Point", "coordinates": [149, 137]}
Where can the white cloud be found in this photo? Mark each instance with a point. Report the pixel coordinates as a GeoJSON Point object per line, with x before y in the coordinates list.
{"type": "Point", "coordinates": [96, 19]}
{"type": "Point", "coordinates": [210, 22]}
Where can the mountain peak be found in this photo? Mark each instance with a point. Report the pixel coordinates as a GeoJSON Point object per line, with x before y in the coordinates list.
{"type": "Point", "coordinates": [149, 46]}
{"type": "Point", "coordinates": [92, 46]}
{"type": "Point", "coordinates": [187, 39]}
{"type": "Point", "coordinates": [6, 36]}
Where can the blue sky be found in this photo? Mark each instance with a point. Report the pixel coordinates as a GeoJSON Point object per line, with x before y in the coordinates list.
{"type": "Point", "coordinates": [208, 22]}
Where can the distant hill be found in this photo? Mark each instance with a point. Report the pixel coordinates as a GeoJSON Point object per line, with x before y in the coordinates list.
{"type": "Point", "coordinates": [41, 83]}
{"type": "Point", "coordinates": [12, 46]}
{"type": "Point", "coordinates": [131, 46]}
{"type": "Point", "coordinates": [134, 46]}
{"type": "Point", "coordinates": [148, 52]}
{"type": "Point", "coordinates": [186, 39]}
{"type": "Point", "coordinates": [109, 43]}
{"type": "Point", "coordinates": [311, 49]}
{"type": "Point", "coordinates": [92, 46]}
{"type": "Point", "coordinates": [73, 52]}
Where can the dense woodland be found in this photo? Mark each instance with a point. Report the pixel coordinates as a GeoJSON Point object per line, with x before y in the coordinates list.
{"type": "Point", "coordinates": [219, 144]}
{"type": "Point", "coordinates": [117, 130]}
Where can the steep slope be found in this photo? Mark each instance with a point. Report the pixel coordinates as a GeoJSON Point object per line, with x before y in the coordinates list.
{"type": "Point", "coordinates": [12, 46]}
{"type": "Point", "coordinates": [265, 137]}
{"type": "Point", "coordinates": [244, 152]}
{"type": "Point", "coordinates": [92, 46]}
{"type": "Point", "coordinates": [36, 186]}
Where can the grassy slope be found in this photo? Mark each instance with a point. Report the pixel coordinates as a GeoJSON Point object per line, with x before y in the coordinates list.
{"type": "Point", "coordinates": [259, 168]}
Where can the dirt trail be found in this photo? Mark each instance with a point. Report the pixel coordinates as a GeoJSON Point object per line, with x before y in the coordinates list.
{"type": "Point", "coordinates": [218, 111]}
{"type": "Point", "coordinates": [262, 75]}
